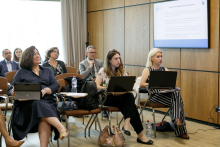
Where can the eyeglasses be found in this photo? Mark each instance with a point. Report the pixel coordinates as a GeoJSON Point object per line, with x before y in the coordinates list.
{"type": "Point", "coordinates": [92, 52]}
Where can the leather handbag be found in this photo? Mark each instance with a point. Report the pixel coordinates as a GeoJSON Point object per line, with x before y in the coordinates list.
{"type": "Point", "coordinates": [107, 139]}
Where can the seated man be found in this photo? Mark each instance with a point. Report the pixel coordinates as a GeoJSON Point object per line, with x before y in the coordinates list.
{"type": "Point", "coordinates": [7, 64]}
{"type": "Point", "coordinates": [90, 66]}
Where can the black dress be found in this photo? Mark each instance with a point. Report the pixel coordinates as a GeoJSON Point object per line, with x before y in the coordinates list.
{"type": "Point", "coordinates": [27, 114]}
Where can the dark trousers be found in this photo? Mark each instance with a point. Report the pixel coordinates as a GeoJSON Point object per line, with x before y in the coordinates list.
{"type": "Point", "coordinates": [126, 105]}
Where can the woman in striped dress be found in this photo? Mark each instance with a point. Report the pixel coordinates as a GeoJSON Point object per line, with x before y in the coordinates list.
{"type": "Point", "coordinates": [172, 99]}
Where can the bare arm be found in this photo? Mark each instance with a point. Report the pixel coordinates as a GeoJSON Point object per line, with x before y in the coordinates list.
{"type": "Point", "coordinates": [98, 82]}
{"type": "Point", "coordinates": [144, 77]}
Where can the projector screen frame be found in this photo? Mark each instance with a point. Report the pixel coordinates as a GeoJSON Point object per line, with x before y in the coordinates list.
{"type": "Point", "coordinates": [208, 27]}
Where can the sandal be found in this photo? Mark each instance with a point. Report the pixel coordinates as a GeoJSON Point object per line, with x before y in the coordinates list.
{"type": "Point", "coordinates": [63, 135]}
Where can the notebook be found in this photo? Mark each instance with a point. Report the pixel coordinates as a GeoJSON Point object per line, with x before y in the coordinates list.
{"type": "Point", "coordinates": [121, 83]}
{"type": "Point", "coordinates": [162, 80]}
{"type": "Point", "coordinates": [27, 91]}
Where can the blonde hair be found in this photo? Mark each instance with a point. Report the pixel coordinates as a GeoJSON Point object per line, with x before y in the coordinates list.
{"type": "Point", "coordinates": [119, 71]}
{"type": "Point", "coordinates": [151, 54]}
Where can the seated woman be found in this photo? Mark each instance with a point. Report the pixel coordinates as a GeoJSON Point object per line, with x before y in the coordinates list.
{"type": "Point", "coordinates": [36, 115]}
{"type": "Point", "coordinates": [58, 67]}
{"type": "Point", "coordinates": [113, 66]}
{"type": "Point", "coordinates": [9, 141]}
{"type": "Point", "coordinates": [172, 99]}
{"type": "Point", "coordinates": [17, 54]}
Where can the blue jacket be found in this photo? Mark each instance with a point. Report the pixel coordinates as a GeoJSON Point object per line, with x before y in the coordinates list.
{"type": "Point", "coordinates": [4, 68]}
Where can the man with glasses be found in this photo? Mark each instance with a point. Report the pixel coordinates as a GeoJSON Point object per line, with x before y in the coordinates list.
{"type": "Point", "coordinates": [90, 67]}
{"type": "Point", "coordinates": [7, 64]}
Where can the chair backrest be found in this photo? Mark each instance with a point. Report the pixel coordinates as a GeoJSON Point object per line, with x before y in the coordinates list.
{"type": "Point", "coordinates": [78, 71]}
{"type": "Point", "coordinates": [3, 85]}
{"type": "Point", "coordinates": [71, 69]}
{"type": "Point", "coordinates": [10, 75]}
{"type": "Point", "coordinates": [61, 76]}
{"type": "Point", "coordinates": [62, 83]}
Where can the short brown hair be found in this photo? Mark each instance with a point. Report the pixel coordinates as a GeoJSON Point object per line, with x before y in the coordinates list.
{"type": "Point", "coordinates": [47, 56]}
{"type": "Point", "coordinates": [26, 60]}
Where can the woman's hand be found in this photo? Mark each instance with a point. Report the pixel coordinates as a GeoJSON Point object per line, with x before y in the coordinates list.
{"type": "Point", "coordinates": [13, 92]}
{"type": "Point", "coordinates": [43, 91]}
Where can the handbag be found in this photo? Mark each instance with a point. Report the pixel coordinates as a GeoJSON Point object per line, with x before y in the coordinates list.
{"type": "Point", "coordinates": [163, 126]}
{"type": "Point", "coordinates": [68, 105]}
{"type": "Point", "coordinates": [107, 139]}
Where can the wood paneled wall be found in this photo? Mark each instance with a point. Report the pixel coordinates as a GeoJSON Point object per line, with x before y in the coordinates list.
{"type": "Point", "coordinates": [127, 25]}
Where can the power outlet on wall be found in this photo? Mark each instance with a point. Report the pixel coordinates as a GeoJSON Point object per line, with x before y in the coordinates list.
{"type": "Point", "coordinates": [217, 109]}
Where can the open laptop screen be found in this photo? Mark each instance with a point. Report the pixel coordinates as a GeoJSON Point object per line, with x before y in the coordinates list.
{"type": "Point", "coordinates": [162, 79]}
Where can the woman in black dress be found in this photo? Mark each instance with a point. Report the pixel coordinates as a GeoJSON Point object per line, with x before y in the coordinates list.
{"type": "Point", "coordinates": [58, 67]}
{"type": "Point", "coordinates": [36, 115]}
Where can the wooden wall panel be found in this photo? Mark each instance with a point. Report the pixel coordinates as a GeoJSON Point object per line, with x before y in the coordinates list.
{"type": "Point", "coordinates": [134, 70]}
{"type": "Point", "coordinates": [205, 59]}
{"type": "Point", "coordinates": [135, 2]}
{"type": "Point", "coordinates": [107, 4]}
{"type": "Point", "coordinates": [114, 31]}
{"type": "Point", "coordinates": [199, 94]}
{"type": "Point", "coordinates": [95, 29]}
{"type": "Point", "coordinates": [136, 34]}
{"type": "Point", "coordinates": [93, 5]}
{"type": "Point", "coordinates": [171, 57]}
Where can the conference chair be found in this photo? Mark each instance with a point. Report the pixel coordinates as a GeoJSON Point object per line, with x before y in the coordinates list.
{"type": "Point", "coordinates": [94, 113]}
{"type": "Point", "coordinates": [4, 104]}
{"type": "Point", "coordinates": [146, 103]}
{"type": "Point", "coordinates": [10, 75]}
{"type": "Point", "coordinates": [61, 76]}
{"type": "Point", "coordinates": [71, 69]}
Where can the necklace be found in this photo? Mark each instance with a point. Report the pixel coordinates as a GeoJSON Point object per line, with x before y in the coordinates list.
{"type": "Point", "coordinates": [36, 71]}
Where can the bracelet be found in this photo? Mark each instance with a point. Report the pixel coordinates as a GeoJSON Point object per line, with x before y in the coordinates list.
{"type": "Point", "coordinates": [45, 90]}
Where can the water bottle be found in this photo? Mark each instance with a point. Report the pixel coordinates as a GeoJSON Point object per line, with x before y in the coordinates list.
{"type": "Point", "coordinates": [74, 85]}
{"type": "Point", "coordinates": [148, 130]}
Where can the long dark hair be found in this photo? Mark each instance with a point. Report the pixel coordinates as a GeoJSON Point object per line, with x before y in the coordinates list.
{"type": "Point", "coordinates": [119, 71]}
{"type": "Point", "coordinates": [27, 56]}
{"type": "Point", "coordinates": [14, 55]}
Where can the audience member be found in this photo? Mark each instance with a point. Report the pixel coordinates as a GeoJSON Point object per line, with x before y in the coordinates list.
{"type": "Point", "coordinates": [58, 67]}
{"type": "Point", "coordinates": [17, 54]}
{"type": "Point", "coordinates": [90, 66]}
{"type": "Point", "coordinates": [9, 141]}
{"type": "Point", "coordinates": [172, 99]}
{"type": "Point", "coordinates": [36, 115]}
{"type": "Point", "coordinates": [7, 64]}
{"type": "Point", "coordinates": [113, 66]}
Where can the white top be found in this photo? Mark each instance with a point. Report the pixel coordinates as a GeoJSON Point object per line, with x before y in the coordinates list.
{"type": "Point", "coordinates": [105, 78]}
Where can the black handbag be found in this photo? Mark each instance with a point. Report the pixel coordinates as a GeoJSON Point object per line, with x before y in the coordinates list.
{"type": "Point", "coordinates": [163, 126]}
{"type": "Point", "coordinates": [68, 105]}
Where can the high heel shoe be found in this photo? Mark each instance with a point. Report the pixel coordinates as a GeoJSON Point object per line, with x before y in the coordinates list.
{"type": "Point", "coordinates": [63, 135]}
{"type": "Point", "coordinates": [126, 132]}
{"type": "Point", "coordinates": [18, 145]}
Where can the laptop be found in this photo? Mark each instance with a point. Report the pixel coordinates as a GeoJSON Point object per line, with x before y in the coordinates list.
{"type": "Point", "coordinates": [162, 80]}
{"type": "Point", "coordinates": [121, 83]}
{"type": "Point", "coordinates": [27, 91]}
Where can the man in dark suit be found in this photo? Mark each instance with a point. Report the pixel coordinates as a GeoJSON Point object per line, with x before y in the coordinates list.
{"type": "Point", "coordinates": [7, 64]}
{"type": "Point", "coordinates": [90, 67]}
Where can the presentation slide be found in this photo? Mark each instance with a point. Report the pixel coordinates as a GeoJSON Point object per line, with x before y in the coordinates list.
{"type": "Point", "coordinates": [181, 24]}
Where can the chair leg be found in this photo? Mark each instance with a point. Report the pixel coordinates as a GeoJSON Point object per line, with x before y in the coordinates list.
{"type": "Point", "coordinates": [51, 136]}
{"type": "Point", "coordinates": [99, 124]}
{"type": "Point", "coordinates": [96, 122]}
{"type": "Point", "coordinates": [109, 120]}
{"type": "Point", "coordinates": [117, 117]}
{"type": "Point", "coordinates": [102, 115]}
{"type": "Point", "coordinates": [166, 114]}
{"type": "Point", "coordinates": [92, 123]}
{"type": "Point", "coordinates": [154, 123]}
{"type": "Point", "coordinates": [0, 140]}
{"type": "Point", "coordinates": [58, 144]}
{"type": "Point", "coordinates": [87, 125]}
{"type": "Point", "coordinates": [67, 126]}
{"type": "Point", "coordinates": [120, 122]}
{"type": "Point", "coordinates": [83, 119]}
{"type": "Point", "coordinates": [142, 117]}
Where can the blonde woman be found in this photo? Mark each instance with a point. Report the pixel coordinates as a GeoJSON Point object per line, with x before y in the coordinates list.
{"type": "Point", "coordinates": [113, 66]}
{"type": "Point", "coordinates": [172, 99]}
